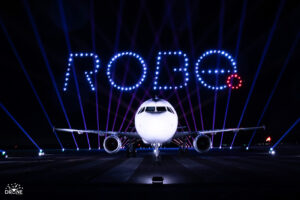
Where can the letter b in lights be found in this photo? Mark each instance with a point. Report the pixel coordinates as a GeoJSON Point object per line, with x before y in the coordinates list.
{"type": "Point", "coordinates": [181, 69]}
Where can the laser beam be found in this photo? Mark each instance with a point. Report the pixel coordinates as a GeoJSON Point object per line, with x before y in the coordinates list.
{"type": "Point", "coordinates": [290, 53]}
{"type": "Point", "coordinates": [44, 55]}
{"type": "Point", "coordinates": [29, 81]}
{"type": "Point", "coordinates": [284, 135]}
{"type": "Point", "coordinates": [270, 36]}
{"type": "Point", "coordinates": [22, 129]}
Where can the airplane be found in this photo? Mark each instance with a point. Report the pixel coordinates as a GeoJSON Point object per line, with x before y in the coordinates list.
{"type": "Point", "coordinates": [156, 123]}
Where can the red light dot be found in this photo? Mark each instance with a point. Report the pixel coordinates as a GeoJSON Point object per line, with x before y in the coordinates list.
{"type": "Point", "coordinates": [234, 85]}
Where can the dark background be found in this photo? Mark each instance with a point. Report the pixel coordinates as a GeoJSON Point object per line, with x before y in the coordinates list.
{"type": "Point", "coordinates": [190, 26]}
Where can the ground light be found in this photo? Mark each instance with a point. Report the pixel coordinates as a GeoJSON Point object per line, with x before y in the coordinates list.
{"type": "Point", "coordinates": [157, 180]}
{"type": "Point", "coordinates": [41, 152]}
{"type": "Point", "coordinates": [3, 154]}
{"type": "Point", "coordinates": [272, 151]}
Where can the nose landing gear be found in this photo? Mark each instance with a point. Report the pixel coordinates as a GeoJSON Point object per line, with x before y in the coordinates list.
{"type": "Point", "coordinates": [156, 152]}
{"type": "Point", "coordinates": [183, 148]}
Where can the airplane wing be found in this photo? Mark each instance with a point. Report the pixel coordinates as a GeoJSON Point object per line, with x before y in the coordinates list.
{"type": "Point", "coordinates": [101, 133]}
{"type": "Point", "coordinates": [213, 132]}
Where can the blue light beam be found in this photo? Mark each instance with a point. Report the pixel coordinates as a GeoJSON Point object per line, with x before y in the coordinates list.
{"type": "Point", "coordinates": [117, 38]}
{"type": "Point", "coordinates": [276, 84]}
{"type": "Point", "coordinates": [47, 64]}
{"type": "Point", "coordinates": [283, 136]}
{"type": "Point", "coordinates": [23, 130]}
{"type": "Point", "coordinates": [29, 81]}
{"type": "Point", "coordinates": [65, 29]}
{"type": "Point", "coordinates": [260, 65]}
{"type": "Point", "coordinates": [236, 57]}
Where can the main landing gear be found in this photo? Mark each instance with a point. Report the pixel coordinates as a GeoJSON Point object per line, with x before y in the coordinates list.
{"type": "Point", "coordinates": [131, 150]}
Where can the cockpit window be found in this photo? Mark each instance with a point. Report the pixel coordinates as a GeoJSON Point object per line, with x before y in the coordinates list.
{"type": "Point", "coordinates": [170, 110]}
{"type": "Point", "coordinates": [141, 110]}
{"type": "Point", "coordinates": [150, 109]}
{"type": "Point", "coordinates": [161, 109]}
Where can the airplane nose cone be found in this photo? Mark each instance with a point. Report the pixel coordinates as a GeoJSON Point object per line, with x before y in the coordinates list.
{"type": "Point", "coordinates": [156, 127]}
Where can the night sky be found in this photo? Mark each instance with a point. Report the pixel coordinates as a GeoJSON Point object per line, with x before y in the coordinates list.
{"type": "Point", "coordinates": [241, 28]}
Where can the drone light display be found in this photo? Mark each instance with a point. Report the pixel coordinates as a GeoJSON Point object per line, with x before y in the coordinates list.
{"type": "Point", "coordinates": [233, 80]}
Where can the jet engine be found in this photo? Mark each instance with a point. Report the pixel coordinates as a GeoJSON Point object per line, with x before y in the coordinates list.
{"type": "Point", "coordinates": [202, 143]}
{"type": "Point", "coordinates": [112, 144]}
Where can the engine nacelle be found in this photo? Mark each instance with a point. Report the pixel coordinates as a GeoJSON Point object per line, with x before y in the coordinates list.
{"type": "Point", "coordinates": [202, 143]}
{"type": "Point", "coordinates": [112, 144]}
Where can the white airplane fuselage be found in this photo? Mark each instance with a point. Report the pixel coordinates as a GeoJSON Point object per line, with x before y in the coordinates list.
{"type": "Point", "coordinates": [156, 121]}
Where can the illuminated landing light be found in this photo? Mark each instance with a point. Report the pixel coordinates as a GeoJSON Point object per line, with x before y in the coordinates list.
{"type": "Point", "coordinates": [230, 147]}
{"type": "Point", "coordinates": [98, 148]}
{"type": "Point", "coordinates": [90, 148]}
{"type": "Point", "coordinates": [63, 149]}
{"type": "Point", "coordinates": [247, 148]}
{"type": "Point", "coordinates": [220, 147]}
{"type": "Point", "coordinates": [3, 153]}
{"type": "Point", "coordinates": [77, 149]}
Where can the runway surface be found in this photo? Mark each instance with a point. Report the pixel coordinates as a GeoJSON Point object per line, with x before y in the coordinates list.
{"type": "Point", "coordinates": [217, 174]}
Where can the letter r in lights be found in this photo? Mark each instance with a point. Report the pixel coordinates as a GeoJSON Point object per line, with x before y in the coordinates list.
{"type": "Point", "coordinates": [72, 56]}
{"type": "Point", "coordinates": [181, 69]}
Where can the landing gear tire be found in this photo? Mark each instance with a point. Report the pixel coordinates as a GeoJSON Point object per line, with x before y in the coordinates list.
{"type": "Point", "coordinates": [183, 151]}
{"type": "Point", "coordinates": [130, 153]}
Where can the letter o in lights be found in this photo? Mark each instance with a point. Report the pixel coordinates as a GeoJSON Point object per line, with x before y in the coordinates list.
{"type": "Point", "coordinates": [131, 54]}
